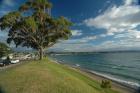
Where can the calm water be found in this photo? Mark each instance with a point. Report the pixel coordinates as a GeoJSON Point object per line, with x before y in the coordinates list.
{"type": "Point", "coordinates": [123, 66]}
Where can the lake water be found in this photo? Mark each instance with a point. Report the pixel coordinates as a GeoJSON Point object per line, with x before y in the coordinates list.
{"type": "Point", "coordinates": [123, 67]}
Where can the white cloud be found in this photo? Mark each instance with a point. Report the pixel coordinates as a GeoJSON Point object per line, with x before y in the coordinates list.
{"type": "Point", "coordinates": [77, 32]}
{"type": "Point", "coordinates": [128, 2]}
{"type": "Point", "coordinates": [74, 45]}
{"type": "Point", "coordinates": [121, 22]}
{"type": "Point", "coordinates": [71, 47]}
{"type": "Point", "coordinates": [8, 2]}
{"type": "Point", "coordinates": [79, 40]}
{"type": "Point", "coordinates": [117, 19]}
{"type": "Point", "coordinates": [88, 38]}
{"type": "Point", "coordinates": [124, 44]}
{"type": "Point", "coordinates": [130, 34]}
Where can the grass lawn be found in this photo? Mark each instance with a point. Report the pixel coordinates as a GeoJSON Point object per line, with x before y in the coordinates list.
{"type": "Point", "coordinates": [47, 77]}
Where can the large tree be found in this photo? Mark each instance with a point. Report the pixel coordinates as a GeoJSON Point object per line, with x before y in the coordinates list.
{"type": "Point", "coordinates": [33, 26]}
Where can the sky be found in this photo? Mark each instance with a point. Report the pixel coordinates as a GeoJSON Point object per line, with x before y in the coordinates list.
{"type": "Point", "coordinates": [99, 25]}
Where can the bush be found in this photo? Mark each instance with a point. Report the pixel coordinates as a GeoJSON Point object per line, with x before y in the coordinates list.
{"type": "Point", "coordinates": [106, 84]}
{"type": "Point", "coordinates": [4, 50]}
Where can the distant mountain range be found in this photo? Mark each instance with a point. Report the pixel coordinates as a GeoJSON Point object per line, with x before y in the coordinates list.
{"type": "Point", "coordinates": [91, 52]}
{"type": "Point", "coordinates": [23, 49]}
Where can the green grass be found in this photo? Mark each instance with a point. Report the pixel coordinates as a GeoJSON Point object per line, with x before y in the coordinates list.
{"type": "Point", "coordinates": [47, 77]}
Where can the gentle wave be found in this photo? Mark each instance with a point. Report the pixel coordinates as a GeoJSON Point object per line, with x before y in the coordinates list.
{"type": "Point", "coordinates": [132, 84]}
{"type": "Point", "coordinates": [114, 66]}
{"type": "Point", "coordinates": [77, 65]}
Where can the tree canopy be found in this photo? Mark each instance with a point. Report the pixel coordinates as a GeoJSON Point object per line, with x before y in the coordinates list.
{"type": "Point", "coordinates": [33, 26]}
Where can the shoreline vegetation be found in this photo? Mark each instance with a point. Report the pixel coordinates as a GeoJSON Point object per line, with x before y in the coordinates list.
{"type": "Point", "coordinates": [49, 76]}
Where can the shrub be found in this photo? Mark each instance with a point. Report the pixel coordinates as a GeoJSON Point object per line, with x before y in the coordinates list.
{"type": "Point", "coordinates": [4, 50]}
{"type": "Point", "coordinates": [106, 84]}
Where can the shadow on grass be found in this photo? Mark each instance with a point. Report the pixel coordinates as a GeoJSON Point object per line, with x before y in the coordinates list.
{"type": "Point", "coordinates": [1, 90]}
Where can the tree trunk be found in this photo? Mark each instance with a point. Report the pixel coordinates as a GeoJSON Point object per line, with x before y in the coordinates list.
{"type": "Point", "coordinates": [40, 53]}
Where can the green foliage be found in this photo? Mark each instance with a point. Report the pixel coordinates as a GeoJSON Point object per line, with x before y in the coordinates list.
{"type": "Point", "coordinates": [9, 20]}
{"type": "Point", "coordinates": [106, 84]}
{"type": "Point", "coordinates": [4, 50]}
{"type": "Point", "coordinates": [33, 26]}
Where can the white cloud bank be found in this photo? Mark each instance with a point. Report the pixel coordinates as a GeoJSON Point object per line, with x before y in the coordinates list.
{"type": "Point", "coordinates": [123, 18]}
{"type": "Point", "coordinates": [76, 32]}
{"type": "Point", "coordinates": [121, 22]}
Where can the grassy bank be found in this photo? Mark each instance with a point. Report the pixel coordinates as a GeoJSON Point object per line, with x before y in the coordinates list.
{"type": "Point", "coordinates": [47, 77]}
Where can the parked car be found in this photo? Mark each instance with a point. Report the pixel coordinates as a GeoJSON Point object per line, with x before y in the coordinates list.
{"type": "Point", "coordinates": [5, 61]}
{"type": "Point", "coordinates": [14, 61]}
{"type": "Point", "coordinates": [1, 64]}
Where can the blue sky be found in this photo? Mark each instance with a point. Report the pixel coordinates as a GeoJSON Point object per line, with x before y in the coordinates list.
{"type": "Point", "coordinates": [99, 25]}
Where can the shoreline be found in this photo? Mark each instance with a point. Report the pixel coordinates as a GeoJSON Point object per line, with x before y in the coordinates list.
{"type": "Point", "coordinates": [122, 88]}
{"type": "Point", "coordinates": [118, 86]}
